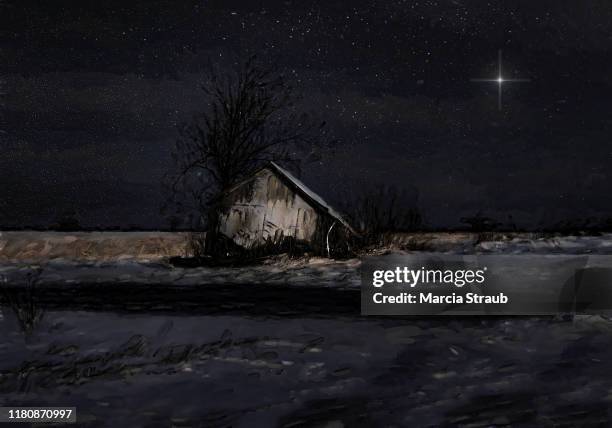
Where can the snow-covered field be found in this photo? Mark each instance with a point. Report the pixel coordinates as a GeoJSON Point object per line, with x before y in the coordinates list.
{"type": "Point", "coordinates": [139, 343]}
{"type": "Point", "coordinates": [318, 272]}
{"type": "Point", "coordinates": [147, 370]}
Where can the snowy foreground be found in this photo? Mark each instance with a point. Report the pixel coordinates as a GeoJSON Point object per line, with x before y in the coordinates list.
{"type": "Point", "coordinates": [136, 370]}
{"type": "Point", "coordinates": [133, 343]}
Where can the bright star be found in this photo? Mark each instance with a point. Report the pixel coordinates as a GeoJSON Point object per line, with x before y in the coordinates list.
{"type": "Point", "coordinates": [500, 81]}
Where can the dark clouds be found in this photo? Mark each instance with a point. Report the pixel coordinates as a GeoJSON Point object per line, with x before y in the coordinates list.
{"type": "Point", "coordinates": [96, 89]}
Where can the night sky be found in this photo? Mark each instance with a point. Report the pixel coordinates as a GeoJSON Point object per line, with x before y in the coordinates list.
{"type": "Point", "coordinates": [94, 92]}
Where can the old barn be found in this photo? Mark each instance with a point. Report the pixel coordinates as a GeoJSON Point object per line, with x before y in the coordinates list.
{"type": "Point", "coordinates": [272, 207]}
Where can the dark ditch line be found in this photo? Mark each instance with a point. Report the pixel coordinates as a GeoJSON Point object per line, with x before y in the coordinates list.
{"type": "Point", "coordinates": [226, 299]}
{"type": "Point", "coordinates": [249, 300]}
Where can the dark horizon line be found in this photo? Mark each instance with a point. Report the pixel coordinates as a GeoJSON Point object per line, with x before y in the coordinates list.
{"type": "Point", "coordinates": [586, 231]}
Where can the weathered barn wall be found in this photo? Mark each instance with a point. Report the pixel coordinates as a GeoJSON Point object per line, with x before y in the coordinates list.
{"type": "Point", "coordinates": [263, 209]}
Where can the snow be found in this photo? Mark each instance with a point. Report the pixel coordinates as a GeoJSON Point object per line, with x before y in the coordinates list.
{"type": "Point", "coordinates": [561, 245]}
{"type": "Point", "coordinates": [277, 271]}
{"type": "Point", "coordinates": [321, 365]}
{"type": "Point", "coordinates": [180, 370]}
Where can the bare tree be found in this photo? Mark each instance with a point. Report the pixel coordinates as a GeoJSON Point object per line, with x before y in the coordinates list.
{"type": "Point", "coordinates": [250, 119]}
{"type": "Point", "coordinates": [382, 209]}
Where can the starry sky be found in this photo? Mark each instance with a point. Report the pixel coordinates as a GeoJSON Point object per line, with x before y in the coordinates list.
{"type": "Point", "coordinates": [94, 91]}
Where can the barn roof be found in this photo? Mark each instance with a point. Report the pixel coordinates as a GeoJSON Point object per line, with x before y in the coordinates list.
{"type": "Point", "coordinates": [310, 196]}
{"type": "Point", "coordinates": [297, 186]}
